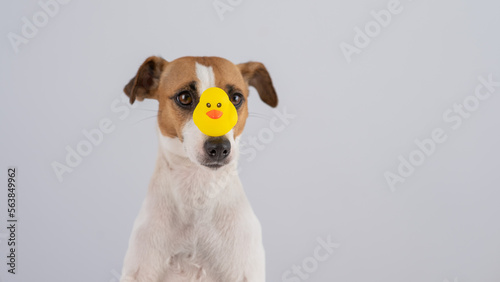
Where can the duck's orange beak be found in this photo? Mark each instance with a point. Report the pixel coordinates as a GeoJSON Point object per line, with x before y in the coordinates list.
{"type": "Point", "coordinates": [214, 114]}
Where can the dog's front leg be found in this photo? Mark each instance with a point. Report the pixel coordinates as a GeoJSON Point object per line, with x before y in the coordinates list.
{"type": "Point", "coordinates": [146, 256]}
{"type": "Point", "coordinates": [255, 269]}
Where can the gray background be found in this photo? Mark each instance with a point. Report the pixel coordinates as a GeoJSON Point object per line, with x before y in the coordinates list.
{"type": "Point", "coordinates": [321, 176]}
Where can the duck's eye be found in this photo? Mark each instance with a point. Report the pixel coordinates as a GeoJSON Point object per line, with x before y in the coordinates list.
{"type": "Point", "coordinates": [237, 99]}
{"type": "Point", "coordinates": [208, 105]}
{"type": "Point", "coordinates": [184, 98]}
{"type": "Point", "coordinates": [219, 105]}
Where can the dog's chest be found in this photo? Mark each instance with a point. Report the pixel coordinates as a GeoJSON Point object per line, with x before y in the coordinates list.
{"type": "Point", "coordinates": [196, 260]}
{"type": "Point", "coordinates": [206, 248]}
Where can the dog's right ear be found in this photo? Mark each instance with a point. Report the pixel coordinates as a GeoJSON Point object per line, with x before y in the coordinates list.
{"type": "Point", "coordinates": [145, 83]}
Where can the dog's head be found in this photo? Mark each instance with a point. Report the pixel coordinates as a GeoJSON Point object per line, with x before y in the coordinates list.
{"type": "Point", "coordinates": [178, 85]}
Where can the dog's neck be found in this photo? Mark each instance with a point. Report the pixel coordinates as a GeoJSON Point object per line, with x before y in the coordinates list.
{"type": "Point", "coordinates": [190, 187]}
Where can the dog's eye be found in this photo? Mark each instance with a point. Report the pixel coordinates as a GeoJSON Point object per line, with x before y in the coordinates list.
{"type": "Point", "coordinates": [184, 98]}
{"type": "Point", "coordinates": [237, 99]}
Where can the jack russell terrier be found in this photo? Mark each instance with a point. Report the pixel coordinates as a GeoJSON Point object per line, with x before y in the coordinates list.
{"type": "Point", "coordinates": [196, 223]}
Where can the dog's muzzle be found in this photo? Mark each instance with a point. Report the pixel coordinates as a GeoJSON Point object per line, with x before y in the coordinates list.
{"type": "Point", "coordinates": [217, 149]}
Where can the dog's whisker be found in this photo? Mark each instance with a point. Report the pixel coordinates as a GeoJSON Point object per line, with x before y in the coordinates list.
{"type": "Point", "coordinates": [148, 110]}
{"type": "Point", "coordinates": [259, 116]}
{"type": "Point", "coordinates": [146, 118]}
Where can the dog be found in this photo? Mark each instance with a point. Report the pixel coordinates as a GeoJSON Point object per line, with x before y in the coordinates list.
{"type": "Point", "coordinates": [196, 223]}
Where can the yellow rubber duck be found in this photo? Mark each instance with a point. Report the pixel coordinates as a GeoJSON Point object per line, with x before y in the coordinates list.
{"type": "Point", "coordinates": [215, 115]}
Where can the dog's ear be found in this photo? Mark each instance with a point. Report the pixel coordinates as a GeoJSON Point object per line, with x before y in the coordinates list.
{"type": "Point", "coordinates": [256, 75]}
{"type": "Point", "coordinates": [145, 83]}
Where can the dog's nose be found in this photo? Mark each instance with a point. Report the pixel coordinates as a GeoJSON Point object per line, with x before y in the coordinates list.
{"type": "Point", "coordinates": [217, 148]}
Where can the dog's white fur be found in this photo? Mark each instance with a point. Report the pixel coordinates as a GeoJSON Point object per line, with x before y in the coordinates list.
{"type": "Point", "coordinates": [205, 76]}
{"type": "Point", "coordinates": [196, 223]}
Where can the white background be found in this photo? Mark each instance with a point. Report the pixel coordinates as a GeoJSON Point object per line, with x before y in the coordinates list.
{"type": "Point", "coordinates": [321, 176]}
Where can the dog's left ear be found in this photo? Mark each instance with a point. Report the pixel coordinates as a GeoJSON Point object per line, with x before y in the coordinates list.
{"type": "Point", "coordinates": [145, 83]}
{"type": "Point", "coordinates": [256, 75]}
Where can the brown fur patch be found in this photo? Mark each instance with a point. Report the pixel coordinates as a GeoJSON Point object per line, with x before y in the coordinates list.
{"type": "Point", "coordinates": [145, 83]}
{"type": "Point", "coordinates": [256, 75]}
